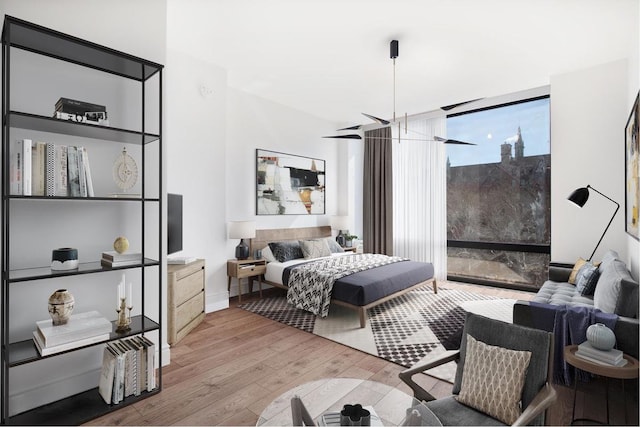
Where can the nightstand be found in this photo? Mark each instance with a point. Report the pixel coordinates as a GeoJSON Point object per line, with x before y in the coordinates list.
{"type": "Point", "coordinates": [249, 268]}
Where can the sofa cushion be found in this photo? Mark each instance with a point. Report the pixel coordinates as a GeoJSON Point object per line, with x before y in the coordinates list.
{"type": "Point", "coordinates": [609, 287]}
{"type": "Point", "coordinates": [587, 278]}
{"type": "Point", "coordinates": [561, 293]}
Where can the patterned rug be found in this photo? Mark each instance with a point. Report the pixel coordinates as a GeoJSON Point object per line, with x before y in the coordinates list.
{"type": "Point", "coordinates": [404, 330]}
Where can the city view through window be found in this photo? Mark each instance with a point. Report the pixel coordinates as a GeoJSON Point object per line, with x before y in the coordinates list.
{"type": "Point", "coordinates": [498, 195]}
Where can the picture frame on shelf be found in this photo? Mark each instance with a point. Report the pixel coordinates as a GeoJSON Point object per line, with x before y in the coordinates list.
{"type": "Point", "coordinates": [632, 163]}
{"type": "Point", "coordinates": [288, 184]}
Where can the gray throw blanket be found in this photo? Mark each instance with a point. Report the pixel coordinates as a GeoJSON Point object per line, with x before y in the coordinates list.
{"type": "Point", "coordinates": [570, 325]}
{"type": "Point", "coordinates": [310, 284]}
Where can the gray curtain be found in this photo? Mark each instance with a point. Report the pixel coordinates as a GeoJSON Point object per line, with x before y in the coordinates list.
{"type": "Point", "coordinates": [378, 194]}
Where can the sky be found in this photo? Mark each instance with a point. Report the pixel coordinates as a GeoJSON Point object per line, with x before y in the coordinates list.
{"type": "Point", "coordinates": [490, 128]}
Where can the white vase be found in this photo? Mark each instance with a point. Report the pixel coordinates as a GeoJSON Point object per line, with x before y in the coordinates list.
{"type": "Point", "coordinates": [601, 337]}
{"type": "Point", "coordinates": [61, 304]}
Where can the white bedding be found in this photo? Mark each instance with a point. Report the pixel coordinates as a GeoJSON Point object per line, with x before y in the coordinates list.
{"type": "Point", "coordinates": [275, 269]}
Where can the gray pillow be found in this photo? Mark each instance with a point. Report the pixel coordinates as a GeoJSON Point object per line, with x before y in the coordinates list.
{"type": "Point", "coordinates": [334, 247]}
{"type": "Point", "coordinates": [607, 259]}
{"type": "Point", "coordinates": [609, 285]}
{"type": "Point", "coordinates": [587, 278]}
{"type": "Point", "coordinates": [286, 251]}
{"type": "Point", "coordinates": [314, 248]}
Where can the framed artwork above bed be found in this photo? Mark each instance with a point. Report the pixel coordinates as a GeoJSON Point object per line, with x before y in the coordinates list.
{"type": "Point", "coordinates": [287, 184]}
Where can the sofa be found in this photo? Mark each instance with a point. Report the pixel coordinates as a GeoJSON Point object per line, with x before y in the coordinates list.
{"type": "Point", "coordinates": [615, 292]}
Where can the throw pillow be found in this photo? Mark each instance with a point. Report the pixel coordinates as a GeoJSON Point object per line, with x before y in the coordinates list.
{"type": "Point", "coordinates": [334, 246]}
{"type": "Point", "coordinates": [286, 251]}
{"type": "Point", "coordinates": [574, 272]}
{"type": "Point", "coordinates": [587, 278]}
{"type": "Point", "coordinates": [268, 255]}
{"type": "Point", "coordinates": [609, 286]}
{"type": "Point", "coordinates": [492, 380]}
{"type": "Point", "coordinates": [314, 248]}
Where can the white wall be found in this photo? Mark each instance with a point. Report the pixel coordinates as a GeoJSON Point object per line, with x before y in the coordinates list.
{"type": "Point", "coordinates": [138, 28]}
{"type": "Point", "coordinates": [253, 123]}
{"type": "Point", "coordinates": [589, 109]}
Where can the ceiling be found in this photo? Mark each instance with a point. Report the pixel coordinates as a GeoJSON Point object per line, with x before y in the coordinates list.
{"type": "Point", "coordinates": [330, 58]}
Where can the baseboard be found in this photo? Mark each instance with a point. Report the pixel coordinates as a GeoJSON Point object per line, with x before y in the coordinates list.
{"type": "Point", "coordinates": [216, 302]}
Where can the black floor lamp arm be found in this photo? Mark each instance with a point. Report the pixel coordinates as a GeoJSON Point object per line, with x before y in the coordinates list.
{"type": "Point", "coordinates": [610, 221]}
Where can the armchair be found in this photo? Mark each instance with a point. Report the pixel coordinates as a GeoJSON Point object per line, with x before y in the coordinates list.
{"type": "Point", "coordinates": [537, 395]}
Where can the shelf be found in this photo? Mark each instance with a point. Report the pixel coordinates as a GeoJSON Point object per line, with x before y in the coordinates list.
{"type": "Point", "coordinates": [100, 199]}
{"type": "Point", "coordinates": [17, 119]}
{"type": "Point", "coordinates": [22, 352]}
{"type": "Point", "coordinates": [26, 274]}
{"type": "Point", "coordinates": [73, 410]}
{"type": "Point", "coordinates": [35, 38]}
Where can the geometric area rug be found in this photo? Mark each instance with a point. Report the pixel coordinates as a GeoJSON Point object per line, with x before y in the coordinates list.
{"type": "Point", "coordinates": [404, 330]}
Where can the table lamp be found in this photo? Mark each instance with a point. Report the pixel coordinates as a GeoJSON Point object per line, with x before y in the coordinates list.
{"type": "Point", "coordinates": [580, 197]}
{"type": "Point", "coordinates": [242, 230]}
{"type": "Point", "coordinates": [340, 223]}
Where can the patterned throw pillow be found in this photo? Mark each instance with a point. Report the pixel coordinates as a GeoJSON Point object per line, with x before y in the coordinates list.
{"type": "Point", "coordinates": [314, 248]}
{"type": "Point", "coordinates": [334, 247]}
{"type": "Point", "coordinates": [492, 380]}
{"type": "Point", "coordinates": [574, 272]}
{"type": "Point", "coordinates": [587, 278]}
{"type": "Point", "coordinates": [286, 251]}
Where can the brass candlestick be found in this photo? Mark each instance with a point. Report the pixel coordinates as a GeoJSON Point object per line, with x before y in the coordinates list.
{"type": "Point", "coordinates": [124, 322]}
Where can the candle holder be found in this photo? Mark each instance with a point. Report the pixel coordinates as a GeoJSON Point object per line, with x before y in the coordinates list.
{"type": "Point", "coordinates": [123, 324]}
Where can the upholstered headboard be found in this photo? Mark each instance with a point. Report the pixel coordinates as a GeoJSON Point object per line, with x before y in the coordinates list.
{"type": "Point", "coordinates": [264, 237]}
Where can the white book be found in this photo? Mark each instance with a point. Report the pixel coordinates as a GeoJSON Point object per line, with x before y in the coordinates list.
{"type": "Point", "coordinates": [118, 382]}
{"type": "Point", "coordinates": [15, 179]}
{"type": "Point", "coordinates": [105, 387]}
{"type": "Point", "coordinates": [111, 264]}
{"type": "Point", "coordinates": [87, 172]}
{"type": "Point", "coordinates": [150, 350]}
{"type": "Point", "coordinates": [26, 167]}
{"type": "Point", "coordinates": [82, 177]}
{"type": "Point", "coordinates": [79, 326]}
{"type": "Point", "coordinates": [73, 174]}
{"type": "Point", "coordinates": [116, 256]}
{"type": "Point", "coordinates": [581, 355]}
{"type": "Point", "coordinates": [46, 351]}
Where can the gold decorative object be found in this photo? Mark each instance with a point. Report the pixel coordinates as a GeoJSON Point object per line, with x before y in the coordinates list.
{"type": "Point", "coordinates": [121, 244]}
{"type": "Point", "coordinates": [123, 324]}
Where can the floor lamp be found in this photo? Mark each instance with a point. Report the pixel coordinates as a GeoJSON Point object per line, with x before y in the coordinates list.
{"type": "Point", "coordinates": [580, 197]}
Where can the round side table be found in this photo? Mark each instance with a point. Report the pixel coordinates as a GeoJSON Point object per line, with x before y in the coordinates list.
{"type": "Point", "coordinates": [629, 371]}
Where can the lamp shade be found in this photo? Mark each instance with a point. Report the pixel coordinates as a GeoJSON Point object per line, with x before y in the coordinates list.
{"type": "Point", "coordinates": [242, 229]}
{"type": "Point", "coordinates": [340, 222]}
{"type": "Point", "coordinates": [579, 196]}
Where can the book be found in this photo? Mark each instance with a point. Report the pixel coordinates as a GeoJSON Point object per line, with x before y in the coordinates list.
{"type": "Point", "coordinates": [48, 350]}
{"type": "Point", "coordinates": [111, 264]}
{"type": "Point", "coordinates": [150, 353]}
{"type": "Point", "coordinates": [87, 172]}
{"type": "Point", "coordinates": [118, 382]}
{"type": "Point", "coordinates": [116, 256]}
{"type": "Point", "coordinates": [15, 170]}
{"type": "Point", "coordinates": [79, 326]}
{"type": "Point", "coordinates": [82, 178]}
{"type": "Point", "coordinates": [77, 107]}
{"type": "Point", "coordinates": [38, 159]}
{"type": "Point", "coordinates": [49, 169]}
{"type": "Point", "coordinates": [584, 356]}
{"type": "Point", "coordinates": [105, 387]}
{"type": "Point", "coordinates": [611, 356]}
{"type": "Point", "coordinates": [56, 170]}
{"type": "Point", "coordinates": [26, 166]}
{"type": "Point", "coordinates": [73, 174]}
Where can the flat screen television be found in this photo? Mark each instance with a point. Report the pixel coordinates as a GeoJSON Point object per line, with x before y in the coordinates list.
{"type": "Point", "coordinates": [174, 223]}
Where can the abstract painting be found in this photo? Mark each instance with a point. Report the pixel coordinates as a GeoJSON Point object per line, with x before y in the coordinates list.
{"type": "Point", "coordinates": [632, 162]}
{"type": "Point", "coordinates": [287, 184]}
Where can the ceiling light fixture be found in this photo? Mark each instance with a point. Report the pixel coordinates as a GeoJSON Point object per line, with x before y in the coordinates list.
{"type": "Point", "coordinates": [393, 54]}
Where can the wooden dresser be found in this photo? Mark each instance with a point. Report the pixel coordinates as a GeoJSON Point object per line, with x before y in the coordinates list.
{"type": "Point", "coordinates": [185, 299]}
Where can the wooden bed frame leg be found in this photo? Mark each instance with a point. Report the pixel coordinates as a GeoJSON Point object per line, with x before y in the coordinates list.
{"type": "Point", "coordinates": [435, 286]}
{"type": "Point", "coordinates": [363, 316]}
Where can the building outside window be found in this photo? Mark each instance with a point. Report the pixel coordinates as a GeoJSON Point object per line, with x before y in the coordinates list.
{"type": "Point", "coordinates": [498, 195]}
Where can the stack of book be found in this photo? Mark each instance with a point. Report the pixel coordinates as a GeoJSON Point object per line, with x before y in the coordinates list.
{"type": "Point", "coordinates": [611, 357]}
{"type": "Point", "coordinates": [128, 368]}
{"type": "Point", "coordinates": [46, 169]}
{"type": "Point", "coordinates": [114, 259]}
{"type": "Point", "coordinates": [81, 111]}
{"type": "Point", "coordinates": [80, 330]}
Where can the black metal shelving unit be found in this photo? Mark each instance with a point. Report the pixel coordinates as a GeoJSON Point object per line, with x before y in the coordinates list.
{"type": "Point", "coordinates": [29, 37]}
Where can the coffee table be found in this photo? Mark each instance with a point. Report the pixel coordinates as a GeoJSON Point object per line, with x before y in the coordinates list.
{"type": "Point", "coordinates": [331, 394]}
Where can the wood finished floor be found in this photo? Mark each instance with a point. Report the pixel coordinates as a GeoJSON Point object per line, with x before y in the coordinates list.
{"type": "Point", "coordinates": [235, 363]}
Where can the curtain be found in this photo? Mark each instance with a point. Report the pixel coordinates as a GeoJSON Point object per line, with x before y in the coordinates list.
{"type": "Point", "coordinates": [377, 198]}
{"type": "Point", "coordinates": [419, 194]}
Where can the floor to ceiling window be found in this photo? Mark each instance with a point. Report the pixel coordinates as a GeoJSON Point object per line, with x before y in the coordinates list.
{"type": "Point", "coordinates": [498, 195]}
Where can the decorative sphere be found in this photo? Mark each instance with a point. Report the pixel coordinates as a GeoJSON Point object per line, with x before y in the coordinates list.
{"type": "Point", "coordinates": [601, 337]}
{"type": "Point", "coordinates": [121, 244]}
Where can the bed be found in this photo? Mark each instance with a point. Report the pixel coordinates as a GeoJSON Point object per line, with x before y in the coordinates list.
{"type": "Point", "coordinates": [359, 291]}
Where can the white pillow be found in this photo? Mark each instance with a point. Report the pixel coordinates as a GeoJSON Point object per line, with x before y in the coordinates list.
{"type": "Point", "coordinates": [315, 248]}
{"type": "Point", "coordinates": [267, 254]}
